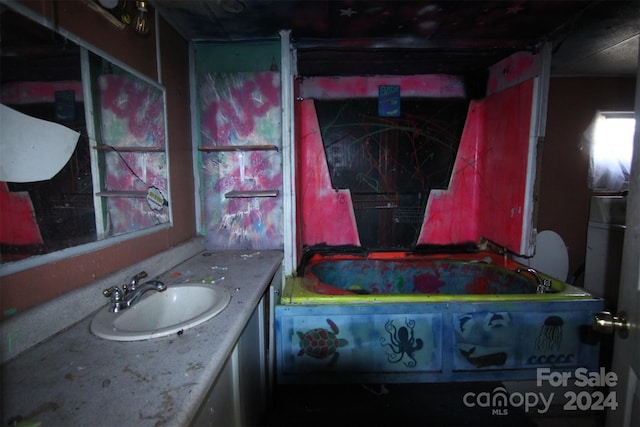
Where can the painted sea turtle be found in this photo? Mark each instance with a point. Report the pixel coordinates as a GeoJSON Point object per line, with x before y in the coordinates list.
{"type": "Point", "coordinates": [321, 343]}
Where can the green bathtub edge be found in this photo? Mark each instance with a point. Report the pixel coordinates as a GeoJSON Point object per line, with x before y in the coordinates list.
{"type": "Point", "coordinates": [295, 293]}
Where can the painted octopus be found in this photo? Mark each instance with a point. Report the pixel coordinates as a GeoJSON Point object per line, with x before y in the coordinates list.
{"type": "Point", "coordinates": [402, 342]}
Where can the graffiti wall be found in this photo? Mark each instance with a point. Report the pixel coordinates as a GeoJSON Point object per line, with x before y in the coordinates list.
{"type": "Point", "coordinates": [240, 155]}
{"type": "Point", "coordinates": [133, 126]}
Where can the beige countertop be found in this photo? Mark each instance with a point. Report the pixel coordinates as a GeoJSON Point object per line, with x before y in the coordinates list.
{"type": "Point", "coordinates": [77, 379]}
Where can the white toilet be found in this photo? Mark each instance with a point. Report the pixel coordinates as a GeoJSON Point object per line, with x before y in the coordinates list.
{"type": "Point", "coordinates": [551, 256]}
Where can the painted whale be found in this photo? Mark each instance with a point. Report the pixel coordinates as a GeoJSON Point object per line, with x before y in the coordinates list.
{"type": "Point", "coordinates": [491, 359]}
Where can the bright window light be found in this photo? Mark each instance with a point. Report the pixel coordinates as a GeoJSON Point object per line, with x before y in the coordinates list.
{"type": "Point", "coordinates": [611, 141]}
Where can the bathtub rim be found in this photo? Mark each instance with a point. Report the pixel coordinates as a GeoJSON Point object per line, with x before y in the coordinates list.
{"type": "Point", "coordinates": [295, 293]}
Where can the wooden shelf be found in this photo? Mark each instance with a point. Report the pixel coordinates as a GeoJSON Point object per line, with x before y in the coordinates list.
{"type": "Point", "coordinates": [128, 194]}
{"type": "Point", "coordinates": [129, 149]}
{"type": "Point", "coordinates": [222, 148]}
{"type": "Point", "coordinates": [251, 194]}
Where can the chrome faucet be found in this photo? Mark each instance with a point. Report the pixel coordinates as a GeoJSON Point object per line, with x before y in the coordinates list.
{"type": "Point", "coordinates": [544, 285]}
{"type": "Point", "coordinates": [134, 282]}
{"type": "Point", "coordinates": [131, 293]}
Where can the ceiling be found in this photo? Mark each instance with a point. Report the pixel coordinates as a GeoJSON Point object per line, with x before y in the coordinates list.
{"type": "Point", "coordinates": [589, 38]}
{"type": "Point", "coordinates": [33, 52]}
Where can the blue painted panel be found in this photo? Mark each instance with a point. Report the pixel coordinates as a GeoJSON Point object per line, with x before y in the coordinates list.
{"type": "Point", "coordinates": [434, 342]}
{"type": "Point", "coordinates": [553, 338]}
{"type": "Point", "coordinates": [506, 340]}
{"type": "Point", "coordinates": [362, 343]}
{"type": "Point", "coordinates": [484, 340]}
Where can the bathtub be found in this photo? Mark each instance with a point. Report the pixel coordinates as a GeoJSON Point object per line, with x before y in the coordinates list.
{"type": "Point", "coordinates": [405, 317]}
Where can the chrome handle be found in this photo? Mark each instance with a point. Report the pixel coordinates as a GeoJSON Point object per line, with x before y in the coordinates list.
{"type": "Point", "coordinates": [113, 291]}
{"type": "Point", "coordinates": [134, 282]}
{"type": "Point", "coordinates": [606, 323]}
{"type": "Point", "coordinates": [140, 275]}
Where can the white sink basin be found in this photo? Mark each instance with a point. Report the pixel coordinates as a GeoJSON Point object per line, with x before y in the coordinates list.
{"type": "Point", "coordinates": [159, 314]}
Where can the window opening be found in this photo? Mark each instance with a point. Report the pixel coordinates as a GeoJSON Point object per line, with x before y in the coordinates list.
{"type": "Point", "coordinates": [610, 141]}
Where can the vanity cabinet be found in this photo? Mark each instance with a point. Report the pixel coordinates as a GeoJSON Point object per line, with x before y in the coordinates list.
{"type": "Point", "coordinates": [240, 394]}
{"type": "Point", "coordinates": [217, 373]}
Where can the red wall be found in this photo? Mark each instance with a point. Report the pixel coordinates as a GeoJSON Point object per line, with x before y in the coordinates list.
{"type": "Point", "coordinates": [327, 215]}
{"type": "Point", "coordinates": [503, 179]}
{"type": "Point", "coordinates": [486, 193]}
{"type": "Point", "coordinates": [37, 285]}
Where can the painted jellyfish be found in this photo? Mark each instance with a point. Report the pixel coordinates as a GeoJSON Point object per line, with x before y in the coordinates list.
{"type": "Point", "coordinates": [550, 335]}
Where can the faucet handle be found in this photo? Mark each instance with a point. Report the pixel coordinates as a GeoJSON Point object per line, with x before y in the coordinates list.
{"type": "Point", "coordinates": [139, 276]}
{"type": "Point", "coordinates": [134, 282]}
{"type": "Point", "coordinates": [114, 292]}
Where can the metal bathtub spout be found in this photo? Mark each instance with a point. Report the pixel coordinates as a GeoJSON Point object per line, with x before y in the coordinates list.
{"type": "Point", "coordinates": [544, 285]}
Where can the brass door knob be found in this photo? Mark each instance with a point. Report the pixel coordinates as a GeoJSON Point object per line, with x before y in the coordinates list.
{"type": "Point", "coordinates": [606, 323]}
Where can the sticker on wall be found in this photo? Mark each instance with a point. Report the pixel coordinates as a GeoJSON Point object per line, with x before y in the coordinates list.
{"type": "Point", "coordinates": [402, 343]}
{"type": "Point", "coordinates": [389, 101]}
{"type": "Point", "coordinates": [483, 340]}
{"type": "Point", "coordinates": [322, 343]}
{"type": "Point", "coordinates": [156, 198]}
{"type": "Point", "coordinates": [65, 105]}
